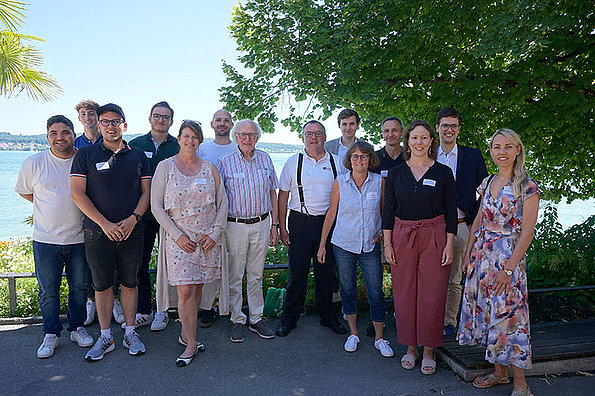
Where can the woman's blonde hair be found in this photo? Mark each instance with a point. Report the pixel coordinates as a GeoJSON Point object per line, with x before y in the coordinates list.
{"type": "Point", "coordinates": [519, 174]}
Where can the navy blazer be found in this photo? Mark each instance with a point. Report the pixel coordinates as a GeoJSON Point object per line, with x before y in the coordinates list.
{"type": "Point", "coordinates": [471, 170]}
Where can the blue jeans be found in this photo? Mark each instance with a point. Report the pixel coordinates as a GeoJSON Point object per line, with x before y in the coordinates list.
{"type": "Point", "coordinates": [50, 260]}
{"type": "Point", "coordinates": [371, 268]}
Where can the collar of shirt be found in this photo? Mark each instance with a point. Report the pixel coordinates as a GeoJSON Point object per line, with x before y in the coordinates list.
{"type": "Point", "coordinates": [308, 157]}
{"type": "Point", "coordinates": [453, 153]}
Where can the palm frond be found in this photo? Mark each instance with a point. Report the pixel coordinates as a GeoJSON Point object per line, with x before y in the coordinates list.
{"type": "Point", "coordinates": [11, 14]}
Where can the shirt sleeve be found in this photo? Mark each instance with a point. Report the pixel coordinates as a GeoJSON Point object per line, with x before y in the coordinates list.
{"type": "Point", "coordinates": [530, 189]}
{"type": "Point", "coordinates": [157, 199]}
{"type": "Point", "coordinates": [286, 178]}
{"type": "Point", "coordinates": [79, 164]}
{"type": "Point", "coordinates": [388, 212]}
{"type": "Point", "coordinates": [482, 187]}
{"type": "Point", "coordinates": [274, 184]}
{"type": "Point", "coordinates": [145, 170]}
{"type": "Point", "coordinates": [25, 181]}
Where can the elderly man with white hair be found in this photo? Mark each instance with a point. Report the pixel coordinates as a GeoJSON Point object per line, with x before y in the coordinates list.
{"type": "Point", "coordinates": [252, 224]}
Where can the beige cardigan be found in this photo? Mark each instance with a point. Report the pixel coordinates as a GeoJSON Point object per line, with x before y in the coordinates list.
{"type": "Point", "coordinates": [166, 295]}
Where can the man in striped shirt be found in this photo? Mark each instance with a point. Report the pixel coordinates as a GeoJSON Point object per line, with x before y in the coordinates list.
{"type": "Point", "coordinates": [251, 182]}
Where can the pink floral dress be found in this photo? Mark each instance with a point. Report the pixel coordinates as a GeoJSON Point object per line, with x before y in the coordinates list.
{"type": "Point", "coordinates": [498, 323]}
{"type": "Point", "coordinates": [190, 203]}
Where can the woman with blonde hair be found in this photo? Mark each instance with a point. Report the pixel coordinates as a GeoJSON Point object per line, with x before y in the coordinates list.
{"type": "Point", "coordinates": [495, 313]}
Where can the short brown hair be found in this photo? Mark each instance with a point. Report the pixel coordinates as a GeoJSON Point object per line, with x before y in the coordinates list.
{"type": "Point", "coordinates": [365, 148]}
{"type": "Point", "coordinates": [433, 151]}
{"type": "Point", "coordinates": [87, 104]}
{"type": "Point", "coordinates": [194, 126]}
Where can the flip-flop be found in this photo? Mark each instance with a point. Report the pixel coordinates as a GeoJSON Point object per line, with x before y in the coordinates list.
{"type": "Point", "coordinates": [408, 361]}
{"type": "Point", "coordinates": [524, 392]}
{"type": "Point", "coordinates": [428, 366]}
{"type": "Point", "coordinates": [490, 380]}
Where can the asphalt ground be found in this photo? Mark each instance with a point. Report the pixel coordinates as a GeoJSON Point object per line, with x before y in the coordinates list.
{"type": "Point", "coordinates": [309, 361]}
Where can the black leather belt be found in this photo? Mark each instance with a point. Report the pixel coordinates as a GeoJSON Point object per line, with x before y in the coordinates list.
{"type": "Point", "coordinates": [249, 221]}
{"type": "Point", "coordinates": [461, 220]}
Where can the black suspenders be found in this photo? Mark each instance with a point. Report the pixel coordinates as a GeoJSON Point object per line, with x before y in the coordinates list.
{"type": "Point", "coordinates": [303, 207]}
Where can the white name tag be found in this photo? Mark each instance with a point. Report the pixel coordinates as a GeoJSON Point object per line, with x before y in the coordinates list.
{"type": "Point", "coordinates": [372, 195]}
{"type": "Point", "coordinates": [200, 181]}
{"type": "Point", "coordinates": [429, 182]}
{"type": "Point", "coordinates": [384, 173]}
{"type": "Point", "coordinates": [102, 166]}
{"type": "Point", "coordinates": [149, 154]}
{"type": "Point", "coordinates": [239, 175]}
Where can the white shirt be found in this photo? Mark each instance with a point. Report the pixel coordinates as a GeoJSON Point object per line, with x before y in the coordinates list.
{"type": "Point", "coordinates": [212, 151]}
{"type": "Point", "coordinates": [450, 160]}
{"type": "Point", "coordinates": [317, 182]}
{"type": "Point", "coordinates": [56, 219]}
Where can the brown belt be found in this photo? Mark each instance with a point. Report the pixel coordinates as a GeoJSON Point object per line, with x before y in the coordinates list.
{"type": "Point", "coordinates": [249, 221]}
{"type": "Point", "coordinates": [461, 220]}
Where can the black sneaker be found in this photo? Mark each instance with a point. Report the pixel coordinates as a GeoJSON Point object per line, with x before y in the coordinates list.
{"type": "Point", "coordinates": [208, 317]}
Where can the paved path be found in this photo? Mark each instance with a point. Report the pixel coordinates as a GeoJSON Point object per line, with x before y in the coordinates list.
{"type": "Point", "coordinates": [310, 361]}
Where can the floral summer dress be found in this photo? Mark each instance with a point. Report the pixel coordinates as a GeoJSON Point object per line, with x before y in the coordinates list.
{"type": "Point", "coordinates": [498, 323]}
{"type": "Point", "coordinates": [190, 202]}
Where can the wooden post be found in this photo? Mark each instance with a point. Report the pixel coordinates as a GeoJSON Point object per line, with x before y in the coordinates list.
{"type": "Point", "coordinates": [12, 292]}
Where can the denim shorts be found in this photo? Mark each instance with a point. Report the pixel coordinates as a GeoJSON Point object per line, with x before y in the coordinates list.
{"type": "Point", "coordinates": [107, 258]}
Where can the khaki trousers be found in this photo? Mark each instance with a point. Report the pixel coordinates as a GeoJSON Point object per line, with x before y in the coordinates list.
{"type": "Point", "coordinates": [455, 289]}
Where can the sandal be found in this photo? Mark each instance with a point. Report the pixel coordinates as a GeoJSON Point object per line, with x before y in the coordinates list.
{"type": "Point", "coordinates": [490, 380]}
{"type": "Point", "coordinates": [524, 392]}
{"type": "Point", "coordinates": [428, 366]}
{"type": "Point", "coordinates": [408, 361]}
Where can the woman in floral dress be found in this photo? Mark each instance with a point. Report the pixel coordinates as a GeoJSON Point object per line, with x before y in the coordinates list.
{"type": "Point", "coordinates": [190, 204]}
{"type": "Point", "coordinates": [495, 313]}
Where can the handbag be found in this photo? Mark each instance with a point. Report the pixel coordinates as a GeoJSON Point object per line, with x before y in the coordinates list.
{"type": "Point", "coordinates": [274, 302]}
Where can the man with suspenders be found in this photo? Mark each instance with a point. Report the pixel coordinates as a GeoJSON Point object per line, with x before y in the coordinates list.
{"type": "Point", "coordinates": [304, 188]}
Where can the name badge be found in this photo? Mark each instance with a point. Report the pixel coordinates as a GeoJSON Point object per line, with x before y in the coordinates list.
{"type": "Point", "coordinates": [384, 173]}
{"type": "Point", "coordinates": [200, 181]}
{"type": "Point", "coordinates": [102, 166]}
{"type": "Point", "coordinates": [429, 182]}
{"type": "Point", "coordinates": [239, 175]}
{"type": "Point", "coordinates": [372, 195]}
{"type": "Point", "coordinates": [149, 154]}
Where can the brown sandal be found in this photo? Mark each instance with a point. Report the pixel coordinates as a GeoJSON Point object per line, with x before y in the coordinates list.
{"type": "Point", "coordinates": [490, 380]}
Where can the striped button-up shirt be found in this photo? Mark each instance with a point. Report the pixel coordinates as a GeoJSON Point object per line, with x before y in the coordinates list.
{"type": "Point", "coordinates": [248, 183]}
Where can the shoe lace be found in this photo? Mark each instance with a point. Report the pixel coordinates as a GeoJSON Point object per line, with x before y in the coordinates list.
{"type": "Point", "coordinates": [47, 342]}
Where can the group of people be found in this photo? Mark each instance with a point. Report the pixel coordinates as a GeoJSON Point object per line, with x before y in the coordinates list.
{"type": "Point", "coordinates": [100, 202]}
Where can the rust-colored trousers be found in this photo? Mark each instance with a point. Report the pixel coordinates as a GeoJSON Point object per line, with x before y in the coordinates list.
{"type": "Point", "coordinates": [419, 281]}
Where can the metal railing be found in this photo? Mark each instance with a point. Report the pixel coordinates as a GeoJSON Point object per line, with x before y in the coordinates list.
{"type": "Point", "coordinates": [13, 276]}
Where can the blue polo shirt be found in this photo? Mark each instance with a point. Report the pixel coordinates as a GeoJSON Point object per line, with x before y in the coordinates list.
{"type": "Point", "coordinates": [113, 179]}
{"type": "Point", "coordinates": [83, 141]}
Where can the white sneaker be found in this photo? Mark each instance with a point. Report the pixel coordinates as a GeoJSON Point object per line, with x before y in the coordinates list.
{"type": "Point", "coordinates": [384, 347]}
{"type": "Point", "coordinates": [160, 322]}
{"type": "Point", "coordinates": [91, 310]}
{"type": "Point", "coordinates": [117, 311]}
{"type": "Point", "coordinates": [141, 320]}
{"type": "Point", "coordinates": [81, 337]}
{"type": "Point", "coordinates": [351, 343]}
{"type": "Point", "coordinates": [46, 349]}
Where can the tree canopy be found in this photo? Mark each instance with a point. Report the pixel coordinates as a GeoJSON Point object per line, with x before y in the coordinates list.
{"type": "Point", "coordinates": [523, 65]}
{"type": "Point", "coordinates": [19, 61]}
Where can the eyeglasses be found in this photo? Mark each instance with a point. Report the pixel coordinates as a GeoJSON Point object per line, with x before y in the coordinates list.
{"type": "Point", "coordinates": [314, 134]}
{"type": "Point", "coordinates": [158, 117]}
{"type": "Point", "coordinates": [244, 136]}
{"type": "Point", "coordinates": [361, 157]}
{"type": "Point", "coordinates": [106, 123]}
{"type": "Point", "coordinates": [446, 127]}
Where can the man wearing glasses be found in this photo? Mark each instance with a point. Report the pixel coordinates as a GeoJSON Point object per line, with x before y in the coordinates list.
{"type": "Point", "coordinates": [469, 170]}
{"type": "Point", "coordinates": [305, 189]}
{"type": "Point", "coordinates": [157, 145]}
{"type": "Point", "coordinates": [211, 151]}
{"type": "Point", "coordinates": [110, 182]}
{"type": "Point", "coordinates": [250, 182]}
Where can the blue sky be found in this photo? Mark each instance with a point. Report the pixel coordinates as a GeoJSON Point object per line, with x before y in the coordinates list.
{"type": "Point", "coordinates": [133, 53]}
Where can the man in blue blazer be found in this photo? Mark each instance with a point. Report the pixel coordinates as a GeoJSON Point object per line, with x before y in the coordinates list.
{"type": "Point", "coordinates": [469, 170]}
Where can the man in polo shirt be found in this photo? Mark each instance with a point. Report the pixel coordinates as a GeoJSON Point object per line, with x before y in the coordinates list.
{"type": "Point", "coordinates": [250, 181]}
{"type": "Point", "coordinates": [87, 115]}
{"type": "Point", "coordinates": [469, 170]}
{"type": "Point", "coordinates": [211, 151]}
{"type": "Point", "coordinates": [57, 235]}
{"type": "Point", "coordinates": [316, 170]}
{"type": "Point", "coordinates": [348, 121]}
{"type": "Point", "coordinates": [110, 183]}
{"type": "Point", "coordinates": [391, 154]}
{"type": "Point", "coordinates": [157, 145]}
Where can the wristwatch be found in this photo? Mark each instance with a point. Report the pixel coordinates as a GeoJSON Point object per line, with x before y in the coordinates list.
{"type": "Point", "coordinates": [275, 225]}
{"type": "Point", "coordinates": [137, 216]}
{"type": "Point", "coordinates": [507, 271]}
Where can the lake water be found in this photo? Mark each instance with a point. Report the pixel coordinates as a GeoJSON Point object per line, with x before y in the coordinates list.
{"type": "Point", "coordinates": [14, 209]}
